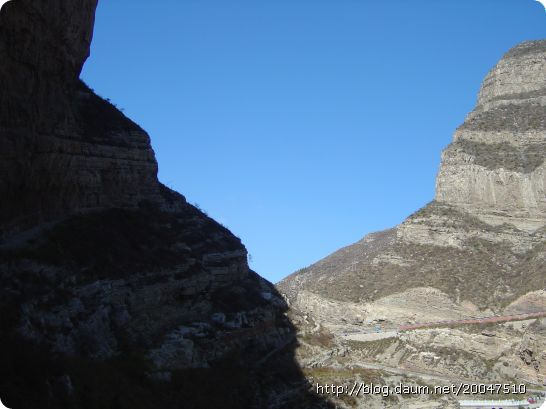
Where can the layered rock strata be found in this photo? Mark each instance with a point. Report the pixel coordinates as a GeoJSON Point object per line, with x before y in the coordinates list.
{"type": "Point", "coordinates": [477, 250]}
{"type": "Point", "coordinates": [63, 148]}
{"type": "Point", "coordinates": [482, 239]}
{"type": "Point", "coordinates": [115, 292]}
{"type": "Point", "coordinates": [495, 167]}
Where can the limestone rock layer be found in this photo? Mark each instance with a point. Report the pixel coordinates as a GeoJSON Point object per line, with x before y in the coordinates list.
{"type": "Point", "coordinates": [482, 239]}
{"type": "Point", "coordinates": [114, 291]}
{"type": "Point", "coordinates": [495, 168]}
{"type": "Point", "coordinates": [477, 250]}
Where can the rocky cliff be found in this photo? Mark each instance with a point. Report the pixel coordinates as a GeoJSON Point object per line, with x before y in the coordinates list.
{"type": "Point", "coordinates": [63, 149]}
{"type": "Point", "coordinates": [115, 292]}
{"type": "Point", "coordinates": [495, 167]}
{"type": "Point", "coordinates": [477, 250]}
{"type": "Point", "coordinates": [488, 219]}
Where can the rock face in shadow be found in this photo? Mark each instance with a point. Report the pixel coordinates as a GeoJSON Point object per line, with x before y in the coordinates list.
{"type": "Point", "coordinates": [63, 149]}
{"type": "Point", "coordinates": [114, 291]}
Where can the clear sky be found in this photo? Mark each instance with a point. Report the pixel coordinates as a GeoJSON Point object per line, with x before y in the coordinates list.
{"type": "Point", "coordinates": [302, 125]}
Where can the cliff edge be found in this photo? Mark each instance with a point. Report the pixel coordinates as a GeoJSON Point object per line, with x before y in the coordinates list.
{"type": "Point", "coordinates": [114, 291]}
{"type": "Point", "coordinates": [63, 149]}
{"type": "Point", "coordinates": [398, 299]}
{"type": "Point", "coordinates": [487, 223]}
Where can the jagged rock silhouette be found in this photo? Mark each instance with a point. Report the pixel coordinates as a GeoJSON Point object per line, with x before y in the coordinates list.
{"type": "Point", "coordinates": [199, 274]}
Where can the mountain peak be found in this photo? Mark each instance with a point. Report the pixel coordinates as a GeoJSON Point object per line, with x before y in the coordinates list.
{"type": "Point", "coordinates": [495, 166]}
{"type": "Point", "coordinates": [489, 212]}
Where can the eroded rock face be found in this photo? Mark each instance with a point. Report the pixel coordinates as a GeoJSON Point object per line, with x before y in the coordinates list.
{"type": "Point", "coordinates": [487, 222]}
{"type": "Point", "coordinates": [114, 291]}
{"type": "Point", "coordinates": [43, 46]}
{"type": "Point", "coordinates": [477, 250]}
{"type": "Point", "coordinates": [495, 168]}
{"type": "Point", "coordinates": [62, 148]}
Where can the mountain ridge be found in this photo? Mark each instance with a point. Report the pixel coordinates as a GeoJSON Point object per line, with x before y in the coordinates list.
{"type": "Point", "coordinates": [114, 290]}
{"type": "Point", "coordinates": [476, 250]}
{"type": "Point", "coordinates": [490, 186]}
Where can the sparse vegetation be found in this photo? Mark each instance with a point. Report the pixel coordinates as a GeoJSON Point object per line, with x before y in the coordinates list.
{"type": "Point", "coordinates": [504, 155]}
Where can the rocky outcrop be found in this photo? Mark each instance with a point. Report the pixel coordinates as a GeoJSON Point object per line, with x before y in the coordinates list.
{"type": "Point", "coordinates": [147, 299]}
{"type": "Point", "coordinates": [114, 291]}
{"type": "Point", "coordinates": [495, 167]}
{"type": "Point", "coordinates": [487, 222]}
{"type": "Point", "coordinates": [63, 149]}
{"type": "Point", "coordinates": [477, 250]}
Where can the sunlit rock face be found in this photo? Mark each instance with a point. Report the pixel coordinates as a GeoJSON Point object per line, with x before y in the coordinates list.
{"type": "Point", "coordinates": [489, 214]}
{"type": "Point", "coordinates": [495, 168]}
{"type": "Point", "coordinates": [478, 249]}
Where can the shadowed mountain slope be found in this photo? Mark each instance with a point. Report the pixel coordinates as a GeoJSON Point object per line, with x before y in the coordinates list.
{"type": "Point", "coordinates": [115, 292]}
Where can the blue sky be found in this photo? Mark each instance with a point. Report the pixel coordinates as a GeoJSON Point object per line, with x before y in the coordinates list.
{"type": "Point", "coordinates": [302, 125]}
